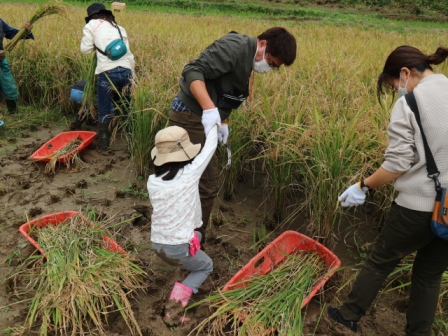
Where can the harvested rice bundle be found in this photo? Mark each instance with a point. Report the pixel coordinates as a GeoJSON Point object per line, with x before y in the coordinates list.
{"type": "Point", "coordinates": [90, 89]}
{"type": "Point", "coordinates": [49, 8]}
{"type": "Point", "coordinates": [72, 160]}
{"type": "Point", "coordinates": [79, 282]}
{"type": "Point", "coordinates": [267, 302]}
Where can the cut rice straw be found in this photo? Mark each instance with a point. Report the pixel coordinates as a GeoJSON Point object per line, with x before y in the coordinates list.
{"type": "Point", "coordinates": [73, 159]}
{"type": "Point", "coordinates": [270, 302]}
{"type": "Point", "coordinates": [79, 282]}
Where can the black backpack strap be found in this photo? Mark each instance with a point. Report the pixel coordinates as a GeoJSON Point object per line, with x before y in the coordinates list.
{"type": "Point", "coordinates": [431, 166]}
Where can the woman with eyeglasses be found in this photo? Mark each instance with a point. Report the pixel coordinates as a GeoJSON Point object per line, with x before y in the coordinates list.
{"type": "Point", "coordinates": [407, 225]}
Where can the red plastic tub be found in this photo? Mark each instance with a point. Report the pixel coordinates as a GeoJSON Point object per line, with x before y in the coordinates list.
{"type": "Point", "coordinates": [61, 140]}
{"type": "Point", "coordinates": [275, 252]}
{"type": "Point", "coordinates": [55, 219]}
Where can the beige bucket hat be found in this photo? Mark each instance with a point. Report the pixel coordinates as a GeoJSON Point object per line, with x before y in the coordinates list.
{"type": "Point", "coordinates": [173, 145]}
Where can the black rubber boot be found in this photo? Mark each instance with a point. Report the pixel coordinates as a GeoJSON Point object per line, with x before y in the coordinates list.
{"type": "Point", "coordinates": [103, 136]}
{"type": "Point", "coordinates": [12, 106]}
{"type": "Point", "coordinates": [335, 314]}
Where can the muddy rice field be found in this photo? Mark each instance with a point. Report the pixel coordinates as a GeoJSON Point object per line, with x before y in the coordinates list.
{"type": "Point", "coordinates": [106, 184]}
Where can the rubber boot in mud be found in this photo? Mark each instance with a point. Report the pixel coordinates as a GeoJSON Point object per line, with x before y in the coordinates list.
{"type": "Point", "coordinates": [174, 309]}
{"type": "Point", "coordinates": [103, 136]}
{"type": "Point", "coordinates": [12, 106]}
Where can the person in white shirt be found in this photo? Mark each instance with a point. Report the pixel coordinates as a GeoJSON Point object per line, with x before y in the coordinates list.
{"type": "Point", "coordinates": [174, 194]}
{"type": "Point", "coordinates": [114, 75]}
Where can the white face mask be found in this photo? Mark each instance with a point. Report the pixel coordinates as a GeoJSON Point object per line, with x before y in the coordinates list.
{"type": "Point", "coordinates": [402, 90]}
{"type": "Point", "coordinates": [261, 66]}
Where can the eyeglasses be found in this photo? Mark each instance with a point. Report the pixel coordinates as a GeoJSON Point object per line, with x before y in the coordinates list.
{"type": "Point", "coordinates": [272, 65]}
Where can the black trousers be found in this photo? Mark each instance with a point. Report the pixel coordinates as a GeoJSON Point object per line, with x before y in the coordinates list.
{"type": "Point", "coordinates": [405, 231]}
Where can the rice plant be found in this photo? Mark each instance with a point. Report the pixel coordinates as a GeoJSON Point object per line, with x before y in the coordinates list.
{"type": "Point", "coordinates": [46, 9]}
{"type": "Point", "coordinates": [141, 127]}
{"type": "Point", "coordinates": [307, 131]}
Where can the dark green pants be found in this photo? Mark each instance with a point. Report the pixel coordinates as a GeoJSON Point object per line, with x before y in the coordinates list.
{"type": "Point", "coordinates": [209, 182]}
{"type": "Point", "coordinates": [405, 231]}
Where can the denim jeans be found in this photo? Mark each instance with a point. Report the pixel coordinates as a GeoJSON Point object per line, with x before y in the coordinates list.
{"type": "Point", "coordinates": [113, 86]}
{"type": "Point", "coordinates": [200, 266]}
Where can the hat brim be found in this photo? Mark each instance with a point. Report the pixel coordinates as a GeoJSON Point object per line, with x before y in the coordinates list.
{"type": "Point", "coordinates": [177, 156]}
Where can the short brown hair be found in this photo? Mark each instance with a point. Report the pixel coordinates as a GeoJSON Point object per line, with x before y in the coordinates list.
{"type": "Point", "coordinates": [280, 43]}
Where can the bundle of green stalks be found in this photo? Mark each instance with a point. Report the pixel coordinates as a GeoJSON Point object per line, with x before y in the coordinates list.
{"type": "Point", "coordinates": [49, 8]}
{"type": "Point", "coordinates": [90, 89]}
{"type": "Point", "coordinates": [267, 303]}
{"type": "Point", "coordinates": [73, 160]}
{"type": "Point", "coordinates": [78, 282]}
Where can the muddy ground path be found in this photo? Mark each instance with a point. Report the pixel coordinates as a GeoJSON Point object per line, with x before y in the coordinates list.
{"type": "Point", "coordinates": [107, 185]}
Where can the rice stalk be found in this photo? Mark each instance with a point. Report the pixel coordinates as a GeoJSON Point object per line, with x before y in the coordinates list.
{"type": "Point", "coordinates": [74, 159]}
{"type": "Point", "coordinates": [79, 283]}
{"type": "Point", "coordinates": [141, 127]}
{"type": "Point", "coordinates": [46, 9]}
{"type": "Point", "coordinates": [89, 97]}
{"type": "Point", "coordinates": [268, 302]}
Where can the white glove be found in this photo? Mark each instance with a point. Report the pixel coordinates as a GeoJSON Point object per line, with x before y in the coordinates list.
{"type": "Point", "coordinates": [223, 134]}
{"type": "Point", "coordinates": [352, 196]}
{"type": "Point", "coordinates": [210, 118]}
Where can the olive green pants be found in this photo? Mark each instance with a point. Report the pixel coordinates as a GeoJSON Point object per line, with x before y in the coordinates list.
{"type": "Point", "coordinates": [405, 231]}
{"type": "Point", "coordinates": [209, 182]}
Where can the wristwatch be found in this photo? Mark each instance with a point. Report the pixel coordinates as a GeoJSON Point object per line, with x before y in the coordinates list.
{"type": "Point", "coordinates": [364, 187]}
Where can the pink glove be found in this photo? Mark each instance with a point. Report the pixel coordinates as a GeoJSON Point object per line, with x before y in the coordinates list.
{"type": "Point", "coordinates": [195, 244]}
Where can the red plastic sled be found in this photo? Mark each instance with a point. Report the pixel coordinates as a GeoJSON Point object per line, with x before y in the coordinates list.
{"type": "Point", "coordinates": [275, 252]}
{"type": "Point", "coordinates": [55, 219]}
{"type": "Point", "coordinates": [61, 140]}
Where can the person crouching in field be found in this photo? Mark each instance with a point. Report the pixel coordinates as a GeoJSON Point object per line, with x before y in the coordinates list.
{"type": "Point", "coordinates": [115, 65]}
{"type": "Point", "coordinates": [8, 85]}
{"type": "Point", "coordinates": [174, 194]}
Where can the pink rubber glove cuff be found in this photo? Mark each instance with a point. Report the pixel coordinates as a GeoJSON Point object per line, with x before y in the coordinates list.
{"type": "Point", "coordinates": [195, 244]}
